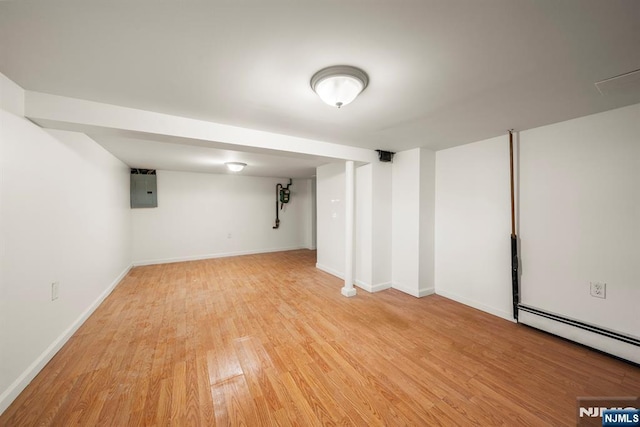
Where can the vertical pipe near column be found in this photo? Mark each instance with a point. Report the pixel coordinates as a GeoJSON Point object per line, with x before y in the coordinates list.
{"type": "Point", "coordinates": [515, 286]}
{"type": "Point", "coordinates": [349, 220]}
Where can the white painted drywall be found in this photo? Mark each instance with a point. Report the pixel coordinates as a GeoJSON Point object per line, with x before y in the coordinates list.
{"type": "Point", "coordinates": [381, 225]}
{"type": "Point", "coordinates": [207, 215]}
{"type": "Point", "coordinates": [314, 214]}
{"type": "Point", "coordinates": [302, 190]}
{"type": "Point", "coordinates": [578, 220]}
{"type": "Point", "coordinates": [11, 96]}
{"type": "Point", "coordinates": [580, 217]}
{"type": "Point", "coordinates": [330, 193]}
{"type": "Point", "coordinates": [427, 221]}
{"type": "Point", "coordinates": [64, 216]}
{"type": "Point", "coordinates": [472, 225]}
{"type": "Point", "coordinates": [405, 218]}
{"type": "Point", "coordinates": [412, 213]}
{"type": "Point", "coordinates": [363, 227]}
{"type": "Point", "coordinates": [405, 222]}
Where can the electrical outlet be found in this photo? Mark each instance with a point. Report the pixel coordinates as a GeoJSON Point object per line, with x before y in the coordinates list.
{"type": "Point", "coordinates": [229, 236]}
{"type": "Point", "coordinates": [54, 290]}
{"type": "Point", "coordinates": [598, 289]}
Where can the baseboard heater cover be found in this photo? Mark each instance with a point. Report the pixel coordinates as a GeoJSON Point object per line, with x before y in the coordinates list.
{"type": "Point", "coordinates": [620, 345]}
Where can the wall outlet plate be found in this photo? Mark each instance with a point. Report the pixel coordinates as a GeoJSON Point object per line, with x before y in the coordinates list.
{"type": "Point", "coordinates": [54, 290]}
{"type": "Point", "coordinates": [598, 289]}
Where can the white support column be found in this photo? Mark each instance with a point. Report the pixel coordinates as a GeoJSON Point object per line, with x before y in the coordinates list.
{"type": "Point", "coordinates": [349, 236]}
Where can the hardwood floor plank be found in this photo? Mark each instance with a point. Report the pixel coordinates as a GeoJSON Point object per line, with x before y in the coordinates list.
{"type": "Point", "coordinates": [163, 411]}
{"type": "Point", "coordinates": [240, 405]}
{"type": "Point", "coordinates": [268, 340]}
{"type": "Point", "coordinates": [87, 406]}
{"type": "Point", "coordinates": [219, 400]}
{"type": "Point", "coordinates": [297, 402]}
{"type": "Point", "coordinates": [179, 394]}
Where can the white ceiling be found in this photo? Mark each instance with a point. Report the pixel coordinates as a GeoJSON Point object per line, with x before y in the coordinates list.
{"type": "Point", "coordinates": [197, 157]}
{"type": "Point", "coordinates": [442, 72]}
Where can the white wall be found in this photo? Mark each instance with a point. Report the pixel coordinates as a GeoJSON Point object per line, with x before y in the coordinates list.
{"type": "Point", "coordinates": [330, 194]}
{"type": "Point", "coordinates": [472, 225]}
{"type": "Point", "coordinates": [11, 96]}
{"type": "Point", "coordinates": [405, 221]}
{"type": "Point", "coordinates": [64, 216]}
{"type": "Point", "coordinates": [363, 226]}
{"type": "Point", "coordinates": [303, 192]}
{"type": "Point", "coordinates": [427, 220]}
{"type": "Point", "coordinates": [580, 217]}
{"type": "Point", "coordinates": [412, 241]}
{"type": "Point", "coordinates": [579, 220]}
{"type": "Point", "coordinates": [381, 225]}
{"type": "Point", "coordinates": [314, 214]}
{"type": "Point", "coordinates": [207, 215]}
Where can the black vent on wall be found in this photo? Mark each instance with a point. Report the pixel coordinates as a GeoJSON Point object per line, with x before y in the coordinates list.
{"type": "Point", "coordinates": [135, 171]}
{"type": "Point", "coordinates": [385, 156]}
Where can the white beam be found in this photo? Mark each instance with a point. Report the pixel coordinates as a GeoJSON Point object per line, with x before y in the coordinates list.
{"type": "Point", "coordinates": [90, 117]}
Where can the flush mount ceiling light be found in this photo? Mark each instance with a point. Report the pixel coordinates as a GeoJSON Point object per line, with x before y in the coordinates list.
{"type": "Point", "coordinates": [235, 166]}
{"type": "Point", "coordinates": [339, 85]}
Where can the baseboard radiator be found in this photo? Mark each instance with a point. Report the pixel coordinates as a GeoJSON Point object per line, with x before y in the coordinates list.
{"type": "Point", "coordinates": [620, 345]}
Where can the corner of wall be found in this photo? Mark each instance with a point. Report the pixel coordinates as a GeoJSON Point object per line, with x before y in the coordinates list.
{"type": "Point", "coordinates": [12, 392]}
{"type": "Point", "coordinates": [43, 171]}
{"type": "Point", "coordinates": [427, 193]}
{"type": "Point", "coordinates": [11, 96]}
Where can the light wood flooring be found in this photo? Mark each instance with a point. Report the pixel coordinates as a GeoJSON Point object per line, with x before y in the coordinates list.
{"type": "Point", "coordinates": [269, 340]}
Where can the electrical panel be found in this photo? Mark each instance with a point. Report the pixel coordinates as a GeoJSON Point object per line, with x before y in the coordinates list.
{"type": "Point", "coordinates": [144, 189]}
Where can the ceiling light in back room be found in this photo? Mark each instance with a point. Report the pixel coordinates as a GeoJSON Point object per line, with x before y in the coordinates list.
{"type": "Point", "coordinates": [339, 85]}
{"type": "Point", "coordinates": [235, 166]}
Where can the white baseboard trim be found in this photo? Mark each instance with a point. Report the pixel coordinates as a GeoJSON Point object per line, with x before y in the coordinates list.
{"type": "Point", "coordinates": [359, 283]}
{"type": "Point", "coordinates": [211, 256]}
{"type": "Point", "coordinates": [426, 291]}
{"type": "Point", "coordinates": [407, 290]}
{"type": "Point", "coordinates": [10, 394]}
{"type": "Point", "coordinates": [373, 288]}
{"type": "Point", "coordinates": [591, 339]}
{"type": "Point", "coordinates": [471, 303]}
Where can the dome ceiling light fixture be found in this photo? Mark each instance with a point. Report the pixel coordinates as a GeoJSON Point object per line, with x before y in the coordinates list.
{"type": "Point", "coordinates": [339, 85]}
{"type": "Point", "coordinates": [235, 166]}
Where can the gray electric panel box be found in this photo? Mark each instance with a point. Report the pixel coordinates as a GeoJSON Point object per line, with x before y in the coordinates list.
{"type": "Point", "coordinates": [143, 189]}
